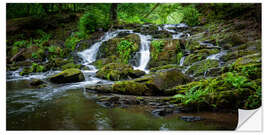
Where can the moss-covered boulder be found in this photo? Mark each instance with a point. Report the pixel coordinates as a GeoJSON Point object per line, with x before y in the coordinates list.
{"type": "Point", "coordinates": [199, 55]}
{"type": "Point", "coordinates": [153, 84]}
{"type": "Point", "coordinates": [26, 71]}
{"type": "Point", "coordinates": [99, 63]}
{"type": "Point", "coordinates": [68, 76]}
{"type": "Point", "coordinates": [71, 65]}
{"type": "Point", "coordinates": [160, 68]}
{"type": "Point", "coordinates": [164, 52]}
{"type": "Point", "coordinates": [199, 68]}
{"type": "Point", "coordinates": [109, 48]}
{"type": "Point", "coordinates": [118, 71]}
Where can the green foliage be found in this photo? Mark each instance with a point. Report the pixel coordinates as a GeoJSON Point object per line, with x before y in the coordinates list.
{"type": "Point", "coordinates": [20, 43]}
{"type": "Point", "coordinates": [71, 42]}
{"type": "Point", "coordinates": [198, 92]}
{"type": "Point", "coordinates": [235, 80]}
{"type": "Point", "coordinates": [96, 17]}
{"type": "Point", "coordinates": [250, 71]}
{"type": "Point", "coordinates": [124, 48]}
{"type": "Point", "coordinates": [37, 68]}
{"type": "Point", "coordinates": [254, 100]}
{"type": "Point", "coordinates": [34, 55]}
{"type": "Point", "coordinates": [191, 16]}
{"type": "Point", "coordinates": [179, 56]}
{"type": "Point", "coordinates": [157, 46]}
{"type": "Point", "coordinates": [52, 49]}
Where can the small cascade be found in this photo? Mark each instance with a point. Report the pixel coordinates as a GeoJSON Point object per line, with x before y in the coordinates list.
{"type": "Point", "coordinates": [89, 55]}
{"type": "Point", "coordinates": [177, 36]}
{"type": "Point", "coordinates": [144, 52]}
{"type": "Point", "coordinates": [217, 56]}
{"type": "Point", "coordinates": [182, 61]}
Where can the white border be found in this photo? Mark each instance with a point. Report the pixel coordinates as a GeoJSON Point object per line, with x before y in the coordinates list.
{"type": "Point", "coordinates": [266, 68]}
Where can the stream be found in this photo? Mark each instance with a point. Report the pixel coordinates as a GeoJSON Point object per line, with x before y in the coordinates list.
{"type": "Point", "coordinates": [69, 106]}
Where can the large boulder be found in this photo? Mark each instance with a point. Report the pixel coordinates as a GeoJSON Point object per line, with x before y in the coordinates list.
{"type": "Point", "coordinates": [118, 71]}
{"type": "Point", "coordinates": [68, 76]}
{"type": "Point", "coordinates": [199, 55]}
{"type": "Point", "coordinates": [164, 52]}
{"type": "Point", "coordinates": [153, 84]}
{"type": "Point", "coordinates": [109, 48]}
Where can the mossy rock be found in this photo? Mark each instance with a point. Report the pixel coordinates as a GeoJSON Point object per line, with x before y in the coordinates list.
{"type": "Point", "coordinates": [132, 88]}
{"type": "Point", "coordinates": [156, 69]}
{"type": "Point", "coordinates": [236, 54]}
{"type": "Point", "coordinates": [56, 63]}
{"type": "Point", "coordinates": [154, 84]}
{"type": "Point", "coordinates": [118, 71]}
{"type": "Point", "coordinates": [99, 63]}
{"type": "Point", "coordinates": [109, 47]}
{"type": "Point", "coordinates": [199, 55]}
{"type": "Point", "coordinates": [68, 76]}
{"type": "Point", "coordinates": [201, 67]}
{"type": "Point", "coordinates": [26, 71]}
{"type": "Point", "coordinates": [167, 54]}
{"type": "Point", "coordinates": [71, 65]}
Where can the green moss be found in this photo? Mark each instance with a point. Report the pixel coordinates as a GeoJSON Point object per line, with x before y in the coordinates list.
{"type": "Point", "coordinates": [68, 75]}
{"type": "Point", "coordinates": [201, 67]}
{"type": "Point", "coordinates": [125, 48]}
{"type": "Point", "coordinates": [118, 71]}
{"type": "Point", "coordinates": [26, 71]}
{"type": "Point", "coordinates": [155, 69]}
{"type": "Point", "coordinates": [70, 65]}
{"type": "Point", "coordinates": [131, 87]}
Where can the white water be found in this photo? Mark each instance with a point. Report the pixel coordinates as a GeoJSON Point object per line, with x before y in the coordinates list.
{"type": "Point", "coordinates": [182, 60]}
{"type": "Point", "coordinates": [89, 55]}
{"type": "Point", "coordinates": [144, 52]}
{"type": "Point", "coordinates": [217, 56]}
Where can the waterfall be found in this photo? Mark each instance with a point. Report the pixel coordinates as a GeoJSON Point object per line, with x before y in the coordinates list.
{"type": "Point", "coordinates": [144, 52]}
{"type": "Point", "coordinates": [89, 55]}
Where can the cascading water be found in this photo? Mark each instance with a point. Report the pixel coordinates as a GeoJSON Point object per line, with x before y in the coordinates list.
{"type": "Point", "coordinates": [144, 52]}
{"type": "Point", "coordinates": [182, 61]}
{"type": "Point", "coordinates": [217, 56]}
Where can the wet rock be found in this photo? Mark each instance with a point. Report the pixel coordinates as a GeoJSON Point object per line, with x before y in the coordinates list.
{"type": "Point", "coordinates": [70, 65]}
{"type": "Point", "coordinates": [68, 76]}
{"type": "Point", "coordinates": [160, 68]}
{"type": "Point", "coordinates": [109, 48]}
{"type": "Point", "coordinates": [162, 112]}
{"type": "Point", "coordinates": [191, 118]}
{"type": "Point", "coordinates": [170, 48]}
{"type": "Point", "coordinates": [118, 71]}
{"type": "Point", "coordinates": [36, 82]}
{"type": "Point", "coordinates": [104, 88]}
{"type": "Point", "coordinates": [152, 84]}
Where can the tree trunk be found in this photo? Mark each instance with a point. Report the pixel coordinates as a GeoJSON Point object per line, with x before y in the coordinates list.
{"type": "Point", "coordinates": [113, 13]}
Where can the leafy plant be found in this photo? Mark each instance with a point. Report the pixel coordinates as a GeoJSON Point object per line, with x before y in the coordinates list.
{"type": "Point", "coordinates": [37, 68]}
{"type": "Point", "coordinates": [235, 80]}
{"type": "Point", "coordinates": [157, 46]}
{"type": "Point", "coordinates": [71, 42]}
{"type": "Point", "coordinates": [179, 56]}
{"type": "Point", "coordinates": [52, 49]}
{"type": "Point", "coordinates": [254, 100]}
{"type": "Point", "coordinates": [124, 48]}
{"type": "Point", "coordinates": [34, 55]}
{"type": "Point", "coordinates": [20, 43]}
{"type": "Point", "coordinates": [191, 16]}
